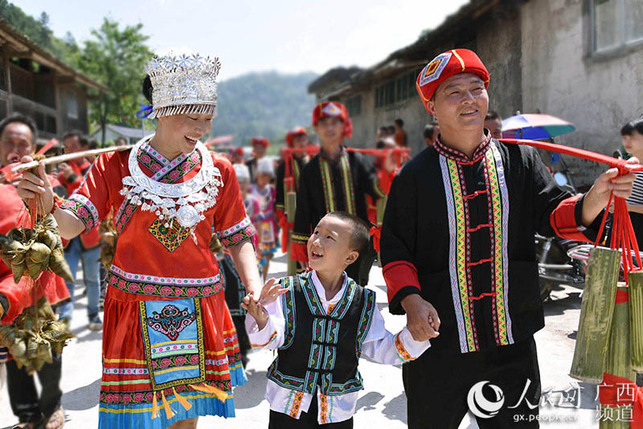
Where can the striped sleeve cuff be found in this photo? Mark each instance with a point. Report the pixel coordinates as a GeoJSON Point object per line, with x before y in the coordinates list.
{"type": "Point", "coordinates": [83, 209]}
{"type": "Point", "coordinates": [238, 233]}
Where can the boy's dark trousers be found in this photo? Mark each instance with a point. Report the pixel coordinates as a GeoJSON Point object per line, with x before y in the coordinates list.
{"type": "Point", "coordinates": [23, 396]}
{"type": "Point", "coordinates": [306, 420]}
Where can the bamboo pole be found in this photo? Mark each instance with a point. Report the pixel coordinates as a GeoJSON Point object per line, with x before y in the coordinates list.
{"type": "Point", "coordinates": [381, 205]}
{"type": "Point", "coordinates": [291, 206]}
{"type": "Point", "coordinates": [596, 315]}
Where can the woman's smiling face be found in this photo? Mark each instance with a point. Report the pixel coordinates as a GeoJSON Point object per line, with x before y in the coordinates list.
{"type": "Point", "coordinates": [183, 131]}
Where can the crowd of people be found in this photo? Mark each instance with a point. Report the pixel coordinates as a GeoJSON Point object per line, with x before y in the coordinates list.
{"type": "Point", "coordinates": [188, 287]}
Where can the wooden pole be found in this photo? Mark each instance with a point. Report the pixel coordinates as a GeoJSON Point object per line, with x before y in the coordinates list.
{"type": "Point", "coordinates": [291, 207]}
{"type": "Point", "coordinates": [381, 205]}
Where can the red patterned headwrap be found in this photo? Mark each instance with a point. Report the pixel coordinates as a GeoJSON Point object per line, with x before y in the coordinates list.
{"type": "Point", "coordinates": [336, 109]}
{"type": "Point", "coordinates": [444, 66]}
{"type": "Point", "coordinates": [297, 131]}
{"type": "Point", "coordinates": [261, 141]}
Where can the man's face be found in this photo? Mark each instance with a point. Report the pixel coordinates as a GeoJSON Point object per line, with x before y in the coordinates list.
{"type": "Point", "coordinates": [329, 245]}
{"type": "Point", "coordinates": [495, 127]}
{"type": "Point", "coordinates": [16, 141]}
{"type": "Point", "coordinates": [330, 131]}
{"type": "Point", "coordinates": [72, 144]}
{"type": "Point", "coordinates": [460, 103]}
{"type": "Point", "coordinates": [300, 140]}
{"type": "Point", "coordinates": [259, 150]}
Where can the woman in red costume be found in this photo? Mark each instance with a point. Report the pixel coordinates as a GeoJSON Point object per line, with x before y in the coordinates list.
{"type": "Point", "coordinates": [170, 351]}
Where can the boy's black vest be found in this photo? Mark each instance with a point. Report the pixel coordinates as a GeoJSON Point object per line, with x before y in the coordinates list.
{"type": "Point", "coordinates": [322, 350]}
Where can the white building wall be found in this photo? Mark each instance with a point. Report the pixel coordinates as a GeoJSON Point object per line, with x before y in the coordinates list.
{"type": "Point", "coordinates": [559, 78]}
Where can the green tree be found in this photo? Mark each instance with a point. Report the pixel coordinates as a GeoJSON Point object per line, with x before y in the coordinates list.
{"type": "Point", "coordinates": [116, 57]}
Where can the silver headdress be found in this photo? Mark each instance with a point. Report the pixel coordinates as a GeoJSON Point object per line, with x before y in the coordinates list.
{"type": "Point", "coordinates": [183, 84]}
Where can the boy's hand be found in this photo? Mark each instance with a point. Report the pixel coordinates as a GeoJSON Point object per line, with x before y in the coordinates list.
{"type": "Point", "coordinates": [256, 310]}
{"type": "Point", "coordinates": [270, 292]}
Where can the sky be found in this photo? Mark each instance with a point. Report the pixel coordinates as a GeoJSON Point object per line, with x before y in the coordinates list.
{"type": "Point", "coordinates": [288, 36]}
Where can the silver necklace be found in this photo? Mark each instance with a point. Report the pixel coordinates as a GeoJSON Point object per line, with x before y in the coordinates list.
{"type": "Point", "coordinates": [184, 202]}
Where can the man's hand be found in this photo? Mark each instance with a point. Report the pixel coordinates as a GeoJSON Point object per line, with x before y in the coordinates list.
{"type": "Point", "coordinates": [256, 310]}
{"type": "Point", "coordinates": [33, 185]}
{"type": "Point", "coordinates": [65, 169]}
{"type": "Point", "coordinates": [421, 318]}
{"type": "Point", "coordinates": [390, 161]}
{"type": "Point", "coordinates": [598, 196]}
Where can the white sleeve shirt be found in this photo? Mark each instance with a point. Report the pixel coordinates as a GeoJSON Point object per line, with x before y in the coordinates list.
{"type": "Point", "coordinates": [379, 345]}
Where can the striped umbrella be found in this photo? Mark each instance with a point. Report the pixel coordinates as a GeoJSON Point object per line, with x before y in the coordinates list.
{"type": "Point", "coordinates": [535, 126]}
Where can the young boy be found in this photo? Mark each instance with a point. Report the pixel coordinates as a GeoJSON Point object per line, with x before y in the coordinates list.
{"type": "Point", "coordinates": [320, 327]}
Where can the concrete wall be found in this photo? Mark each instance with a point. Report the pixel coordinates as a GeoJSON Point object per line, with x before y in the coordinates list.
{"type": "Point", "coordinates": [366, 124]}
{"type": "Point", "coordinates": [560, 77]}
{"type": "Point", "coordinates": [499, 48]}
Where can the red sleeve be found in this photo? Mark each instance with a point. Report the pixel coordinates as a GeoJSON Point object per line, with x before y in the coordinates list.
{"type": "Point", "coordinates": [384, 179]}
{"type": "Point", "coordinates": [565, 219]}
{"type": "Point", "coordinates": [298, 251]}
{"type": "Point", "coordinates": [398, 275]}
{"type": "Point", "coordinates": [16, 295]}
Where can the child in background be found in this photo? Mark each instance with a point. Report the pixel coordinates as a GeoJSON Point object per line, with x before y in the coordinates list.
{"type": "Point", "coordinates": [314, 379]}
{"type": "Point", "coordinates": [265, 193]}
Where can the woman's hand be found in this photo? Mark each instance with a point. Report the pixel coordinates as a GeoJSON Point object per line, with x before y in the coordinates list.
{"type": "Point", "coordinates": [32, 185]}
{"type": "Point", "coordinates": [256, 310]}
{"type": "Point", "coordinates": [270, 292]}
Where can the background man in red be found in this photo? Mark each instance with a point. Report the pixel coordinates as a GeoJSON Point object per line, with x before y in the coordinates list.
{"type": "Point", "coordinates": [17, 139]}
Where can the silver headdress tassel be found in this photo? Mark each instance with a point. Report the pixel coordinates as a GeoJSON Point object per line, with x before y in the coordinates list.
{"type": "Point", "coordinates": [183, 85]}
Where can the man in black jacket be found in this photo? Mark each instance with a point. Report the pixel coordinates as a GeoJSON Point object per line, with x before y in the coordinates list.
{"type": "Point", "coordinates": [457, 248]}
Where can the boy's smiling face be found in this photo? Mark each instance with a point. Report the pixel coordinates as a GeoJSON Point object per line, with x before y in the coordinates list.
{"type": "Point", "coordinates": [329, 246]}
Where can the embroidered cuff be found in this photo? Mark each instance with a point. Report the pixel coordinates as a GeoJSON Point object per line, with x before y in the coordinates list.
{"type": "Point", "coordinates": [407, 347]}
{"type": "Point", "coordinates": [260, 338]}
{"type": "Point", "coordinates": [83, 209]}
{"type": "Point", "coordinates": [238, 233]}
{"type": "Point", "coordinates": [401, 351]}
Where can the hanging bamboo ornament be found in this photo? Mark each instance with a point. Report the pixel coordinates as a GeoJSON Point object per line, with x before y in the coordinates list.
{"type": "Point", "coordinates": [596, 315]}
{"type": "Point", "coordinates": [617, 363]}
{"type": "Point", "coordinates": [636, 319]}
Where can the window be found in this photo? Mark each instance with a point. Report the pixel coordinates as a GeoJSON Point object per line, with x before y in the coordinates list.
{"type": "Point", "coordinates": [354, 105]}
{"type": "Point", "coordinates": [396, 90]}
{"type": "Point", "coordinates": [615, 24]}
{"type": "Point", "coordinates": [72, 105]}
